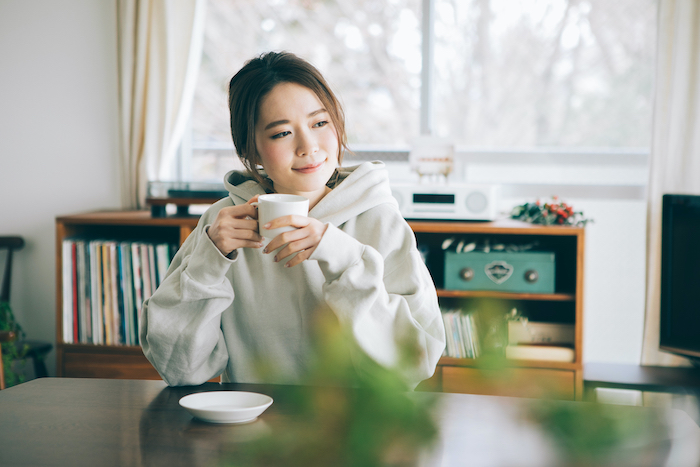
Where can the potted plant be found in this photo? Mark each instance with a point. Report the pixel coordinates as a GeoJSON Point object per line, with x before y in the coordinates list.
{"type": "Point", "coordinates": [13, 356]}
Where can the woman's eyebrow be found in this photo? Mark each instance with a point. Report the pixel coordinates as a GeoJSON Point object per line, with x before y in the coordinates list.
{"type": "Point", "coordinates": [282, 122]}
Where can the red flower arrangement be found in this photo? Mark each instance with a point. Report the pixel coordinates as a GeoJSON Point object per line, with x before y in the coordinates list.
{"type": "Point", "coordinates": [555, 212]}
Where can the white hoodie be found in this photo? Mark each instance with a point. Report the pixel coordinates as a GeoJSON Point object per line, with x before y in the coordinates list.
{"type": "Point", "coordinates": [212, 314]}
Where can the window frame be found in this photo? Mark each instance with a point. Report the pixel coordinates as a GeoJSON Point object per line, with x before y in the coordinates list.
{"type": "Point", "coordinates": [625, 157]}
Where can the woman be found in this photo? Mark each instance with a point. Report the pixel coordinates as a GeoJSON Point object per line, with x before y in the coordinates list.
{"type": "Point", "coordinates": [228, 305]}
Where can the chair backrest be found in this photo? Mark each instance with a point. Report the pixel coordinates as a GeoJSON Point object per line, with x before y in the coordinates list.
{"type": "Point", "coordinates": [9, 243]}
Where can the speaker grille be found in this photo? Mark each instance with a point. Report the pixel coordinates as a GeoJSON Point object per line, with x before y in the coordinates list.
{"type": "Point", "coordinates": [476, 202]}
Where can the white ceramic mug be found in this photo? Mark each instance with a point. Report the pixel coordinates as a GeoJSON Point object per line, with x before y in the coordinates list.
{"type": "Point", "coordinates": [276, 205]}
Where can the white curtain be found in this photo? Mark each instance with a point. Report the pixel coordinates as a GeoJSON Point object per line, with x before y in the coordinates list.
{"type": "Point", "coordinates": [675, 153]}
{"type": "Point", "coordinates": [160, 44]}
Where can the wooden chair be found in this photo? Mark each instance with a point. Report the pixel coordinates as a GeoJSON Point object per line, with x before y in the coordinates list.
{"type": "Point", "coordinates": [36, 350]}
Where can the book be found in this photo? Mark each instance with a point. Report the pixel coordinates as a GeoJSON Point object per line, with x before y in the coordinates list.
{"type": "Point", "coordinates": [138, 281]}
{"type": "Point", "coordinates": [117, 337]}
{"type": "Point", "coordinates": [128, 293]}
{"type": "Point", "coordinates": [540, 352]}
{"type": "Point", "coordinates": [152, 267]}
{"type": "Point", "coordinates": [88, 292]}
{"type": "Point", "coordinates": [96, 290]}
{"type": "Point", "coordinates": [162, 260]}
{"type": "Point", "coordinates": [106, 294]}
{"type": "Point", "coordinates": [67, 291]}
{"type": "Point", "coordinates": [460, 334]}
{"type": "Point", "coordinates": [145, 271]}
{"type": "Point", "coordinates": [74, 292]}
{"type": "Point", "coordinates": [473, 334]}
{"type": "Point", "coordinates": [535, 332]}
{"type": "Point", "coordinates": [84, 310]}
{"type": "Point", "coordinates": [104, 284]}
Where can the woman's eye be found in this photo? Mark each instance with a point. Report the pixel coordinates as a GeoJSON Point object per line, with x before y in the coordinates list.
{"type": "Point", "coordinates": [320, 124]}
{"type": "Point", "coordinates": [280, 134]}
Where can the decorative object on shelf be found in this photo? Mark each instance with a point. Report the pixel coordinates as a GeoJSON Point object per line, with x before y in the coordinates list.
{"type": "Point", "coordinates": [555, 212]}
{"type": "Point", "coordinates": [431, 157]}
{"type": "Point", "coordinates": [485, 245]}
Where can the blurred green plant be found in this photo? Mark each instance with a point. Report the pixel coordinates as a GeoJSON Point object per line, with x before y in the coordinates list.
{"type": "Point", "coordinates": [13, 356]}
{"type": "Point", "coordinates": [588, 433]}
{"type": "Point", "coordinates": [379, 422]}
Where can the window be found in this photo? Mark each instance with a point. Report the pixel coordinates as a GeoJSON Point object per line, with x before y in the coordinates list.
{"type": "Point", "coordinates": [488, 74]}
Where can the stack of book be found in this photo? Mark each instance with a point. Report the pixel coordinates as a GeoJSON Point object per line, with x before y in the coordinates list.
{"type": "Point", "coordinates": [461, 334]}
{"type": "Point", "coordinates": [104, 285]}
{"type": "Point", "coordinates": [529, 340]}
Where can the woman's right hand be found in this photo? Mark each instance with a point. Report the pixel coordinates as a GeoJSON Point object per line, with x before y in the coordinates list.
{"type": "Point", "coordinates": [236, 227]}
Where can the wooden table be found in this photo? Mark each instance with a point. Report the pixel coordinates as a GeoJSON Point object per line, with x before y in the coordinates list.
{"type": "Point", "coordinates": [91, 422]}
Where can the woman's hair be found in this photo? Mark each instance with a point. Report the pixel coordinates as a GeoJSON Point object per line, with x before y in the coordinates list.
{"type": "Point", "coordinates": [254, 81]}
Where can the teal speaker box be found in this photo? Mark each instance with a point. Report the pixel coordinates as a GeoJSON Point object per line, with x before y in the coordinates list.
{"type": "Point", "coordinates": [518, 272]}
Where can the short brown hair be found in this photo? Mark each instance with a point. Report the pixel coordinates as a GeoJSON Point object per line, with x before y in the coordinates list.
{"type": "Point", "coordinates": [254, 81]}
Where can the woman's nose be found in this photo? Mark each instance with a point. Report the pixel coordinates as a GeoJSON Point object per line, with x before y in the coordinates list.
{"type": "Point", "coordinates": [307, 143]}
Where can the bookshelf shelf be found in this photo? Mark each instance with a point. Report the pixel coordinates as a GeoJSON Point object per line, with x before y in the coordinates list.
{"type": "Point", "coordinates": [494, 374]}
{"type": "Point", "coordinates": [476, 363]}
{"type": "Point", "coordinates": [555, 297]}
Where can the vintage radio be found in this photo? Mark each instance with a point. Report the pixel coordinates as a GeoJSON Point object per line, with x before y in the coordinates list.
{"type": "Point", "coordinates": [477, 202]}
{"type": "Point", "coordinates": [518, 272]}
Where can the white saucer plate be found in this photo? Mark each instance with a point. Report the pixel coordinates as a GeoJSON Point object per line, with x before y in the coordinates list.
{"type": "Point", "coordinates": [226, 406]}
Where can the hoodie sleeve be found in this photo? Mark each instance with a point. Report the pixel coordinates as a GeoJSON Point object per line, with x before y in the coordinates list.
{"type": "Point", "coordinates": [379, 287]}
{"type": "Point", "coordinates": [180, 324]}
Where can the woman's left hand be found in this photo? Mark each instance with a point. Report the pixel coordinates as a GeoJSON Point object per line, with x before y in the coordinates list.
{"type": "Point", "coordinates": [302, 241]}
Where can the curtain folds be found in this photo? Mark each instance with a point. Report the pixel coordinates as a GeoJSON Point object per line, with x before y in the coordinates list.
{"type": "Point", "coordinates": [675, 153]}
{"type": "Point", "coordinates": [160, 47]}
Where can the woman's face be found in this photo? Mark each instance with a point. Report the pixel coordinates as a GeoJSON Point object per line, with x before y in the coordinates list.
{"type": "Point", "coordinates": [296, 141]}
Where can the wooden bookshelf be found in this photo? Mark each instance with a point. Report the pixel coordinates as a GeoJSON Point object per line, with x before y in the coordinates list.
{"type": "Point", "coordinates": [477, 376]}
{"type": "Point", "coordinates": [494, 374]}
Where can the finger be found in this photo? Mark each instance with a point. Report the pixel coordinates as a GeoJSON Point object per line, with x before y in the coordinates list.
{"type": "Point", "coordinates": [285, 238]}
{"type": "Point", "coordinates": [299, 258]}
{"type": "Point", "coordinates": [237, 227]}
{"type": "Point", "coordinates": [299, 246]}
{"type": "Point", "coordinates": [290, 220]}
{"type": "Point", "coordinates": [247, 244]}
{"type": "Point", "coordinates": [239, 212]}
{"type": "Point", "coordinates": [254, 213]}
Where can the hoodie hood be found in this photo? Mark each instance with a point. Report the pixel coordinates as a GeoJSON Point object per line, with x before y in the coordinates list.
{"type": "Point", "coordinates": [241, 186]}
{"type": "Point", "coordinates": [358, 189]}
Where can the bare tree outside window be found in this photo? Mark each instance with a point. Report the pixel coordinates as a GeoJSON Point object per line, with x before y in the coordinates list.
{"type": "Point", "coordinates": [507, 74]}
{"type": "Point", "coordinates": [545, 72]}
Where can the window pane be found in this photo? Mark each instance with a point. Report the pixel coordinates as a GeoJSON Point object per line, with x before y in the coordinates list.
{"type": "Point", "coordinates": [368, 50]}
{"type": "Point", "coordinates": [544, 72]}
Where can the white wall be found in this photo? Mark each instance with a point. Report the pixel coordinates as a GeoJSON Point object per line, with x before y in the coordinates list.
{"type": "Point", "coordinates": [58, 136]}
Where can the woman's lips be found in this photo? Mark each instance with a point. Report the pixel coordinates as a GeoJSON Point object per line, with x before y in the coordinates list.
{"type": "Point", "coordinates": [310, 168]}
